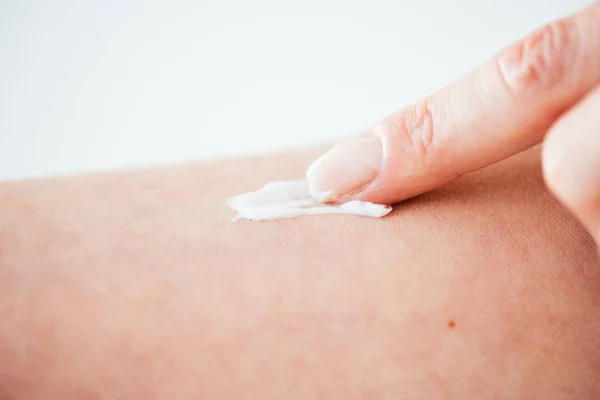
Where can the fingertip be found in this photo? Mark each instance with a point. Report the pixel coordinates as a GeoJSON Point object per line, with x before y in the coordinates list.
{"type": "Point", "coordinates": [571, 161]}
{"type": "Point", "coordinates": [555, 165]}
{"type": "Point", "coordinates": [345, 170]}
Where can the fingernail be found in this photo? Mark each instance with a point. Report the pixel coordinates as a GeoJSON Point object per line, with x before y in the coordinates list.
{"type": "Point", "coordinates": [346, 169]}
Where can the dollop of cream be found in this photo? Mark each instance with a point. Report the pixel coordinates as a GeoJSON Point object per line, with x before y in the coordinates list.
{"type": "Point", "coordinates": [286, 199]}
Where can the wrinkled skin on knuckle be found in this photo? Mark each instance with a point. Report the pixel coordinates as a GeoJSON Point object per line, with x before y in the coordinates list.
{"type": "Point", "coordinates": [414, 128]}
{"type": "Point", "coordinates": [539, 63]}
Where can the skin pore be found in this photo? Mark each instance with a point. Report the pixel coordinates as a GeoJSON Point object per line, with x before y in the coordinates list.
{"type": "Point", "coordinates": [136, 285]}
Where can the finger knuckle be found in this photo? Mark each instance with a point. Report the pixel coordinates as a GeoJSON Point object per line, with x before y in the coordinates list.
{"type": "Point", "coordinates": [416, 126]}
{"type": "Point", "coordinates": [539, 62]}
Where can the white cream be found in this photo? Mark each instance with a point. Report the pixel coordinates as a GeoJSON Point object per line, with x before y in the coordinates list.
{"type": "Point", "coordinates": [286, 199]}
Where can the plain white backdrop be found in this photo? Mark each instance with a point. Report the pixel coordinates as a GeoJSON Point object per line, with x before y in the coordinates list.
{"type": "Point", "coordinates": [91, 85]}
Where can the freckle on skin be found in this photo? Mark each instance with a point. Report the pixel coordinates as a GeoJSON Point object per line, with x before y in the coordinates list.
{"type": "Point", "coordinates": [451, 324]}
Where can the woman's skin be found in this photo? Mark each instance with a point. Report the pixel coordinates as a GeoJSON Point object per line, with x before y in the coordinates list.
{"type": "Point", "coordinates": [136, 285]}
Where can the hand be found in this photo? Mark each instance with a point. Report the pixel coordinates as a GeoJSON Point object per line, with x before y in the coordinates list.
{"type": "Point", "coordinates": [545, 88]}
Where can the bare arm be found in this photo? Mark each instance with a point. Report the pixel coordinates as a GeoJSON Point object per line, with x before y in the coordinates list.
{"type": "Point", "coordinates": [136, 286]}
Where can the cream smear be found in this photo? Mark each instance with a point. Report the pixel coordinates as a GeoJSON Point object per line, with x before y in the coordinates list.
{"type": "Point", "coordinates": [286, 199]}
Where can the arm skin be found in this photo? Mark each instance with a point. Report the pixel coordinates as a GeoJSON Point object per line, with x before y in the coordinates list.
{"type": "Point", "coordinates": [136, 285]}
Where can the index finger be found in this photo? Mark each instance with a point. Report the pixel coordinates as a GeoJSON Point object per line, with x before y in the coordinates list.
{"type": "Point", "coordinates": [502, 108]}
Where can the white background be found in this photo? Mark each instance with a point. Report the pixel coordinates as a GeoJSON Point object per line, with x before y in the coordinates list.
{"type": "Point", "coordinates": [88, 85]}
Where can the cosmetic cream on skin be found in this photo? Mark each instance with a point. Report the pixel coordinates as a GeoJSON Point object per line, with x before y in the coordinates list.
{"type": "Point", "coordinates": [286, 199]}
